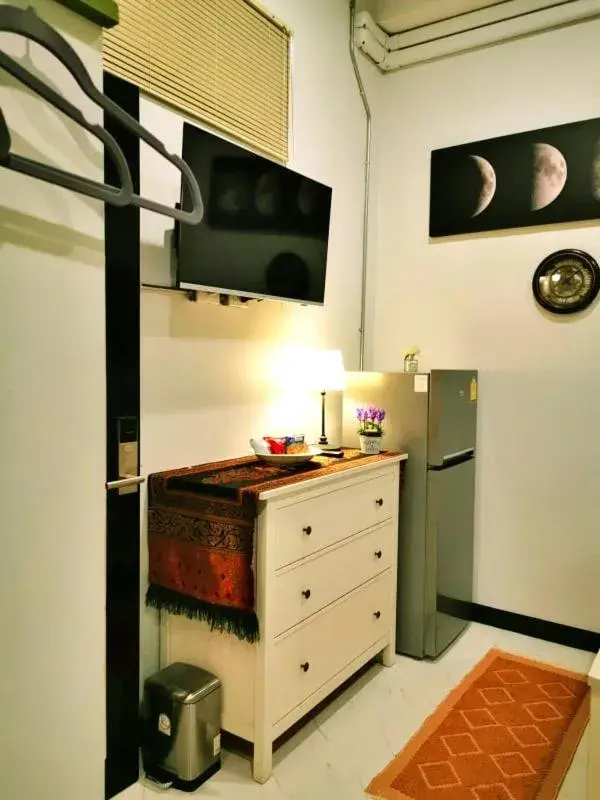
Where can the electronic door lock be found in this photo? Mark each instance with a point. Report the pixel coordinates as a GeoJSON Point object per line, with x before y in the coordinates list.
{"type": "Point", "coordinates": [127, 460]}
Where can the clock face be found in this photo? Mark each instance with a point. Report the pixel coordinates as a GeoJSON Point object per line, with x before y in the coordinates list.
{"type": "Point", "coordinates": [566, 281]}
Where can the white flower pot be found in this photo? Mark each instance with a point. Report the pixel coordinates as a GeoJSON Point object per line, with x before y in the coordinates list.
{"type": "Point", "coordinates": [370, 445]}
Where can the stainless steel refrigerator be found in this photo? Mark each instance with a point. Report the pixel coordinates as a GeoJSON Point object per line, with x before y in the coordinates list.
{"type": "Point", "coordinates": [433, 418]}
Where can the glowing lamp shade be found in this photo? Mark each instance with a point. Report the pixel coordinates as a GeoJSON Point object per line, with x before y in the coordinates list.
{"type": "Point", "coordinates": [327, 371]}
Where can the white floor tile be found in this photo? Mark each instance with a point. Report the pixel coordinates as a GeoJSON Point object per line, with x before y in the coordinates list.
{"type": "Point", "coordinates": [133, 793]}
{"type": "Point", "coordinates": [336, 754]}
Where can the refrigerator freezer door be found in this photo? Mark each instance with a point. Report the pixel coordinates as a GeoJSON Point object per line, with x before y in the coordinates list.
{"type": "Point", "coordinates": [449, 549]}
{"type": "Point", "coordinates": [452, 413]}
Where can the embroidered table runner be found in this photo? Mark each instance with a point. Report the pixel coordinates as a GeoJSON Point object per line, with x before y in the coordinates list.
{"type": "Point", "coordinates": [201, 523]}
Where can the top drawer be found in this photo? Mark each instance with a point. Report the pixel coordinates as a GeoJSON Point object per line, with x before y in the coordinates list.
{"type": "Point", "coordinates": [312, 524]}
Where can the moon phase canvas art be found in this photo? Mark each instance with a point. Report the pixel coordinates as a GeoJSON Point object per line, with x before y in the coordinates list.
{"type": "Point", "coordinates": [488, 184]}
{"type": "Point", "coordinates": [549, 175]}
{"type": "Point", "coordinates": [540, 177]}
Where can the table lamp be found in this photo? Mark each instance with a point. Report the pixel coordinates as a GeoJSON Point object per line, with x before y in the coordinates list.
{"type": "Point", "coordinates": [328, 375]}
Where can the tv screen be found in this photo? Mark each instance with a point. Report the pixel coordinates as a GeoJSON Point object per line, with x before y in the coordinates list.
{"type": "Point", "coordinates": [265, 228]}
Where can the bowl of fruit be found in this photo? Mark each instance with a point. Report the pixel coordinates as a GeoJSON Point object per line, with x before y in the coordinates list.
{"type": "Point", "coordinates": [290, 450]}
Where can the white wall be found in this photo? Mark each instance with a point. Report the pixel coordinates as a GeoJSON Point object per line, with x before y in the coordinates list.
{"type": "Point", "coordinates": [467, 302]}
{"type": "Point", "coordinates": [207, 372]}
{"type": "Point", "coordinates": [52, 451]}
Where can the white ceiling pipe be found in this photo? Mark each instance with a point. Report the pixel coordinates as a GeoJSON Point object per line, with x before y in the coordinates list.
{"type": "Point", "coordinates": [512, 10]}
{"type": "Point", "coordinates": [470, 31]}
{"type": "Point", "coordinates": [365, 21]}
{"type": "Point", "coordinates": [368, 40]}
{"type": "Point", "coordinates": [402, 15]}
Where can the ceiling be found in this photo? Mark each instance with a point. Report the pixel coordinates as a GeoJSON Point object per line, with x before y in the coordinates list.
{"type": "Point", "coordinates": [400, 15]}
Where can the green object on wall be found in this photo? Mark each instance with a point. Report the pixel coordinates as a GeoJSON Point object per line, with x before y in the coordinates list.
{"type": "Point", "coordinates": [102, 12]}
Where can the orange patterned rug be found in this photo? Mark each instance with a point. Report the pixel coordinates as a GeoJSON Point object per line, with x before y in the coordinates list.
{"type": "Point", "coordinates": [507, 732]}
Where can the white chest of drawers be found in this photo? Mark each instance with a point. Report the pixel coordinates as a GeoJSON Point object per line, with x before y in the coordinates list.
{"type": "Point", "coordinates": [325, 598]}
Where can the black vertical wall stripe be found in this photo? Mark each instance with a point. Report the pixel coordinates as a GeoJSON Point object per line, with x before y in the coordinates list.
{"type": "Point", "coordinates": [122, 251]}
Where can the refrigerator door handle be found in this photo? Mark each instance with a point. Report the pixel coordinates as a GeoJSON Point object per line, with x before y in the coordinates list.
{"type": "Point", "coordinates": [460, 454]}
{"type": "Point", "coordinates": [452, 459]}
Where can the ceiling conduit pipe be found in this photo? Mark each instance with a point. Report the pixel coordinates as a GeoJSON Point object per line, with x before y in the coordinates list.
{"type": "Point", "coordinates": [365, 248]}
{"type": "Point", "coordinates": [371, 39]}
{"type": "Point", "coordinates": [472, 30]}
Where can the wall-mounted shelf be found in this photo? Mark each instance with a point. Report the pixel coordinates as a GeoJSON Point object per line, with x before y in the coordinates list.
{"type": "Point", "coordinates": [190, 294]}
{"type": "Point", "coordinates": [194, 295]}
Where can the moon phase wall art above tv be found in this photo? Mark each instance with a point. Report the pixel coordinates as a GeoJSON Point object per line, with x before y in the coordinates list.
{"type": "Point", "coordinates": [539, 177]}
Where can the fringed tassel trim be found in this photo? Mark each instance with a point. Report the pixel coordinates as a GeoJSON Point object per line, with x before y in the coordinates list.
{"type": "Point", "coordinates": [243, 624]}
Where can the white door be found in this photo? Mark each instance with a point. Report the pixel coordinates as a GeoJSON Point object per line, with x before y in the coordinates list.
{"type": "Point", "coordinates": [52, 440]}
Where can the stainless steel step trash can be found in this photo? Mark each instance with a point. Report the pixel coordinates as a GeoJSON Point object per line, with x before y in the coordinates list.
{"type": "Point", "coordinates": [182, 726]}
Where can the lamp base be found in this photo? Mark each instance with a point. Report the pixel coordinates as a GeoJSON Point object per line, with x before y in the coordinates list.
{"type": "Point", "coordinates": [326, 446]}
{"type": "Point", "coordinates": [336, 452]}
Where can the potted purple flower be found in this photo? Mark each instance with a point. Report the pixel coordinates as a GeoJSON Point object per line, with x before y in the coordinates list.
{"type": "Point", "coordinates": [370, 429]}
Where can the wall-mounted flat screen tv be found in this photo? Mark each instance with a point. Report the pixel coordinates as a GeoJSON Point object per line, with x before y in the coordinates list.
{"type": "Point", "coordinates": [265, 228]}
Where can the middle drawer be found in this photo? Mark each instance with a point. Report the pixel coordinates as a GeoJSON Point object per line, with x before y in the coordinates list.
{"type": "Point", "coordinates": [302, 591]}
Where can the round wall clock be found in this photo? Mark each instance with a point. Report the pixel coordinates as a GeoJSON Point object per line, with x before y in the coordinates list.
{"type": "Point", "coordinates": [566, 281]}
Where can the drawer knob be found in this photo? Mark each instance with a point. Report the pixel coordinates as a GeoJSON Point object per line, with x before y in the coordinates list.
{"type": "Point", "coordinates": [377, 614]}
{"type": "Point", "coordinates": [378, 553]}
{"type": "Point", "coordinates": [305, 666]}
{"type": "Point", "coordinates": [307, 530]}
{"type": "Point", "coordinates": [306, 593]}
{"type": "Point", "coordinates": [379, 501]}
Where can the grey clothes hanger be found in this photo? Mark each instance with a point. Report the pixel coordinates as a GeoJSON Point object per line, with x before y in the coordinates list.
{"type": "Point", "coordinates": [45, 172]}
{"type": "Point", "coordinates": [27, 23]}
{"type": "Point", "coordinates": [4, 137]}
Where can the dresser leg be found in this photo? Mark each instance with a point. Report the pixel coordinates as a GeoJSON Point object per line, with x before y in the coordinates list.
{"type": "Point", "coordinates": [388, 655]}
{"type": "Point", "coordinates": [262, 763]}
{"type": "Point", "coordinates": [594, 746]}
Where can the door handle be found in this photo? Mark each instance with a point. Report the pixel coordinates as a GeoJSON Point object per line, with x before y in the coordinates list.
{"type": "Point", "coordinates": [125, 481]}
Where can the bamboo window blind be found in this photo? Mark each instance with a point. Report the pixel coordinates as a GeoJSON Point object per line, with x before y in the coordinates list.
{"type": "Point", "coordinates": [222, 61]}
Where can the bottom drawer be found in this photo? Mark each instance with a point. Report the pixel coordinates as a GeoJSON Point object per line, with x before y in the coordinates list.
{"type": "Point", "coordinates": [308, 657]}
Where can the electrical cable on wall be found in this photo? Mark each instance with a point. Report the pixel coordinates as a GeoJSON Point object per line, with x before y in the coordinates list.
{"type": "Point", "coordinates": [365, 247]}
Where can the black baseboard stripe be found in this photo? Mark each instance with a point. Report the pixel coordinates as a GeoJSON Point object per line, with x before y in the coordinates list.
{"type": "Point", "coordinates": [538, 628]}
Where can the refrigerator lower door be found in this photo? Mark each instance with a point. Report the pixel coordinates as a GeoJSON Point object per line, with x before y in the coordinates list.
{"type": "Point", "coordinates": [449, 554]}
